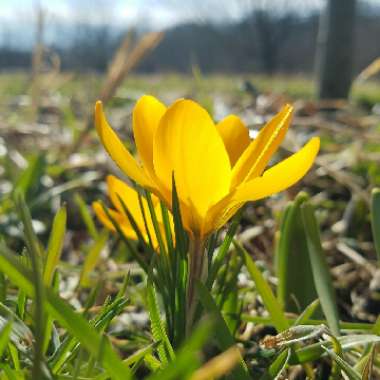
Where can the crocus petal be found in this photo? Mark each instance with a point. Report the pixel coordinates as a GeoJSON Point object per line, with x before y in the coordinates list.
{"type": "Point", "coordinates": [146, 117]}
{"type": "Point", "coordinates": [276, 179]}
{"type": "Point", "coordinates": [102, 216]}
{"type": "Point", "coordinates": [158, 212]}
{"type": "Point", "coordinates": [119, 189]}
{"type": "Point", "coordinates": [235, 136]}
{"type": "Point", "coordinates": [120, 219]}
{"type": "Point", "coordinates": [255, 158]}
{"type": "Point", "coordinates": [281, 176]}
{"type": "Point", "coordinates": [219, 214]}
{"type": "Point", "coordinates": [188, 144]}
{"type": "Point", "coordinates": [117, 150]}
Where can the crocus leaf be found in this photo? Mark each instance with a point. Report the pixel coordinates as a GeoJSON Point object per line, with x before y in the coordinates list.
{"type": "Point", "coordinates": [320, 269]}
{"type": "Point", "coordinates": [375, 219]}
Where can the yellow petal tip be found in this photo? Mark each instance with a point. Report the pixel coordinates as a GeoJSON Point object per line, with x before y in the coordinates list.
{"type": "Point", "coordinates": [98, 116]}
{"type": "Point", "coordinates": [110, 179]}
{"type": "Point", "coordinates": [288, 109]}
{"type": "Point", "coordinates": [316, 141]}
{"type": "Point", "coordinates": [98, 106]}
{"type": "Point", "coordinates": [96, 206]}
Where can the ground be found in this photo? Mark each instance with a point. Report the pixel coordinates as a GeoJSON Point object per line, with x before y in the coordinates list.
{"type": "Point", "coordinates": [49, 150]}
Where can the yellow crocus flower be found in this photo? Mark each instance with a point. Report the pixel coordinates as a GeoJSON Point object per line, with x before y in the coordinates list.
{"type": "Point", "coordinates": [117, 190]}
{"type": "Point", "coordinates": [217, 168]}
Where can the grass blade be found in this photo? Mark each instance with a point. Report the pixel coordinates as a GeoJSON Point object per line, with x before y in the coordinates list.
{"type": "Point", "coordinates": [307, 313]}
{"type": "Point", "coordinates": [320, 269]}
{"type": "Point", "coordinates": [4, 336]}
{"type": "Point", "coordinates": [138, 355]}
{"type": "Point", "coordinates": [167, 227]}
{"type": "Point", "coordinates": [94, 342]}
{"type": "Point", "coordinates": [156, 226]}
{"type": "Point", "coordinates": [224, 337]}
{"type": "Point", "coordinates": [92, 259]}
{"type": "Point", "coordinates": [292, 254]}
{"type": "Point", "coordinates": [136, 255]}
{"type": "Point", "coordinates": [34, 252]}
{"type": "Point", "coordinates": [86, 216]}
{"type": "Point", "coordinates": [74, 323]}
{"type": "Point", "coordinates": [55, 245]}
{"type": "Point", "coordinates": [270, 301]}
{"type": "Point", "coordinates": [315, 351]}
{"type": "Point", "coordinates": [347, 326]}
{"type": "Point", "coordinates": [375, 219]}
{"type": "Point", "coordinates": [277, 366]}
{"type": "Point", "coordinates": [349, 371]}
{"type": "Point", "coordinates": [180, 234]}
{"type": "Point", "coordinates": [187, 358]}
{"type": "Point", "coordinates": [165, 349]}
{"type": "Point", "coordinates": [28, 182]}
{"type": "Point", "coordinates": [218, 261]}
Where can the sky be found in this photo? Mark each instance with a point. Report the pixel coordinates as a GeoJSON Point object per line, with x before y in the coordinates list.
{"type": "Point", "coordinates": [162, 12]}
{"type": "Point", "coordinates": [159, 13]}
{"type": "Point", "coordinates": [17, 17]}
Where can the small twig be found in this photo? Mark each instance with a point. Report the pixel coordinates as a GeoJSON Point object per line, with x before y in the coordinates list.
{"type": "Point", "coordinates": [344, 179]}
{"type": "Point", "coordinates": [117, 73]}
{"type": "Point", "coordinates": [356, 257]}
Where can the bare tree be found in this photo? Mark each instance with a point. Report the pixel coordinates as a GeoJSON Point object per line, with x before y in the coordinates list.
{"type": "Point", "coordinates": [335, 52]}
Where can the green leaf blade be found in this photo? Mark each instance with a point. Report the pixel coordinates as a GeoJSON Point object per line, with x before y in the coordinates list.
{"type": "Point", "coordinates": [320, 269]}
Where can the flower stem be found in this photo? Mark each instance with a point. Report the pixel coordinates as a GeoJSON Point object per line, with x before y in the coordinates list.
{"type": "Point", "coordinates": [197, 271]}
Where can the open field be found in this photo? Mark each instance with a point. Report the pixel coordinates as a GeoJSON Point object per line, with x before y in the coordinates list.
{"type": "Point", "coordinates": [17, 83]}
{"type": "Point", "coordinates": [48, 156]}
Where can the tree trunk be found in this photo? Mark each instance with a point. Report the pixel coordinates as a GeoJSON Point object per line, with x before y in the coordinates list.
{"type": "Point", "coordinates": [335, 55]}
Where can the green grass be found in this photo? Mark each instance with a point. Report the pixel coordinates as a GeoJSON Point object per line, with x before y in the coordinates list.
{"type": "Point", "coordinates": [77, 302]}
{"type": "Point", "coordinates": [83, 86]}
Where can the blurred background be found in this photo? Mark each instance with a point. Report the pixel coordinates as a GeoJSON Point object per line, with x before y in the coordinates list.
{"type": "Point", "coordinates": [247, 57]}
{"type": "Point", "coordinates": [234, 36]}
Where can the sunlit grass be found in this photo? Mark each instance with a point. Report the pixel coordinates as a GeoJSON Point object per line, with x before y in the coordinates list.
{"type": "Point", "coordinates": [173, 84]}
{"type": "Point", "coordinates": [86, 303]}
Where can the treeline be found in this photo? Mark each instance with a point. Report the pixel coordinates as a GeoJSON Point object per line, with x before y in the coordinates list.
{"type": "Point", "coordinates": [262, 42]}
